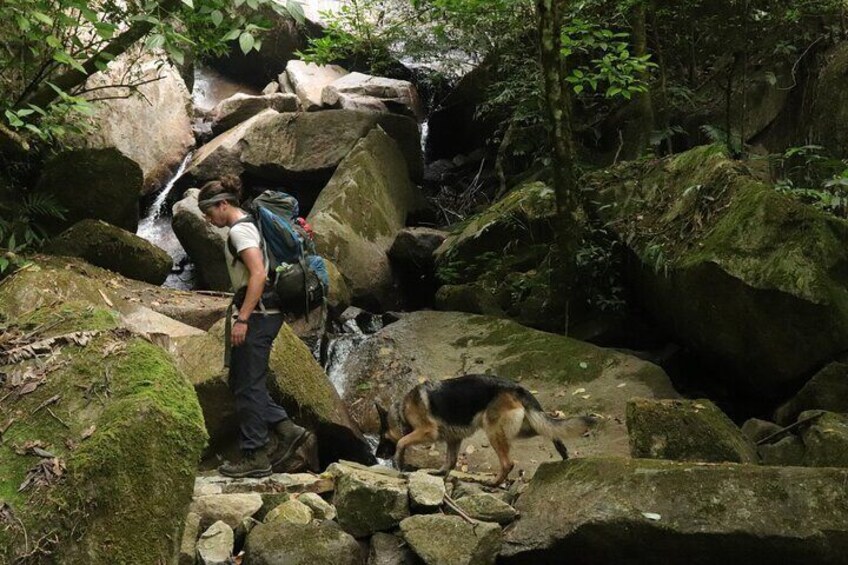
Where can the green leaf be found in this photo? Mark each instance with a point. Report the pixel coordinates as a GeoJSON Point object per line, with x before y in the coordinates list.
{"type": "Point", "coordinates": [246, 42]}
{"type": "Point", "coordinates": [295, 8]}
{"type": "Point", "coordinates": [189, 3]}
{"type": "Point", "coordinates": [232, 35]}
{"type": "Point", "coordinates": [178, 56]}
{"type": "Point", "coordinates": [156, 41]}
{"type": "Point", "coordinates": [53, 41]}
{"type": "Point", "coordinates": [14, 121]}
{"type": "Point", "coordinates": [43, 18]}
{"type": "Point", "coordinates": [4, 264]}
{"type": "Point", "coordinates": [217, 17]}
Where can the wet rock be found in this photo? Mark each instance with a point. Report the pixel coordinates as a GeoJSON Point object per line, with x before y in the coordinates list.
{"type": "Point", "coordinates": [449, 540]}
{"type": "Point", "coordinates": [228, 508]}
{"type": "Point", "coordinates": [100, 184]}
{"type": "Point", "coordinates": [372, 177]}
{"type": "Point", "coordinates": [321, 509]}
{"type": "Point", "coordinates": [241, 107]}
{"type": "Point", "coordinates": [215, 546]}
{"type": "Point", "coordinates": [826, 440]}
{"type": "Point", "coordinates": [664, 511]}
{"type": "Point", "coordinates": [487, 508]}
{"type": "Point", "coordinates": [750, 281]}
{"type": "Point", "coordinates": [202, 241]}
{"type": "Point", "coordinates": [827, 390]}
{"type": "Point", "coordinates": [368, 501]}
{"type": "Point", "coordinates": [398, 96]}
{"type": "Point", "coordinates": [292, 511]}
{"type": "Point", "coordinates": [685, 430]}
{"type": "Point", "coordinates": [412, 257]}
{"type": "Point", "coordinates": [309, 80]}
{"type": "Point", "coordinates": [387, 549]}
{"type": "Point", "coordinates": [113, 248]}
{"type": "Point", "coordinates": [318, 542]}
{"type": "Point", "coordinates": [426, 491]}
{"type": "Point", "coordinates": [152, 126]}
{"type": "Point", "coordinates": [188, 545]}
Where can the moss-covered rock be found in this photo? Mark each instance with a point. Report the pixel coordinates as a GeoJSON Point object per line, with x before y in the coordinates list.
{"type": "Point", "coordinates": [318, 542]}
{"type": "Point", "coordinates": [611, 510]}
{"type": "Point", "coordinates": [449, 540]}
{"type": "Point", "coordinates": [827, 390]}
{"type": "Point", "coordinates": [368, 502]}
{"type": "Point", "coordinates": [826, 441]}
{"type": "Point", "coordinates": [685, 430]}
{"type": "Point", "coordinates": [829, 112]}
{"type": "Point", "coordinates": [103, 184]}
{"type": "Point", "coordinates": [564, 374]}
{"type": "Point", "coordinates": [125, 425]}
{"type": "Point", "coordinates": [730, 267]}
{"type": "Point", "coordinates": [359, 213]}
{"type": "Point", "coordinates": [115, 249]}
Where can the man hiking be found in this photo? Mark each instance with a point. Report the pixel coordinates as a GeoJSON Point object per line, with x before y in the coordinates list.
{"type": "Point", "coordinates": [267, 436]}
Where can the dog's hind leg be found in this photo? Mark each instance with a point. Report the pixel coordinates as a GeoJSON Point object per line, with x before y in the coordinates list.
{"type": "Point", "coordinates": [450, 458]}
{"type": "Point", "coordinates": [500, 433]}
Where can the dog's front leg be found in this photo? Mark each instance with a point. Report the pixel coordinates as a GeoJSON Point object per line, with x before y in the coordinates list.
{"type": "Point", "coordinates": [417, 436]}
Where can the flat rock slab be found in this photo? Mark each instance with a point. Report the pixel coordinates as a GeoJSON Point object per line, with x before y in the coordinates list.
{"type": "Point", "coordinates": [450, 540]}
{"type": "Point", "coordinates": [605, 510]}
{"type": "Point", "coordinates": [228, 508]}
{"type": "Point", "coordinates": [426, 491]}
{"type": "Point", "coordinates": [215, 546]}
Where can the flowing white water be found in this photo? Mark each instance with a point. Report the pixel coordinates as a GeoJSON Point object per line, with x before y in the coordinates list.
{"type": "Point", "coordinates": [156, 228]}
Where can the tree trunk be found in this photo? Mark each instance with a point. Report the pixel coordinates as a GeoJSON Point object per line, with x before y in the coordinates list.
{"type": "Point", "coordinates": [72, 78]}
{"type": "Point", "coordinates": [640, 121]}
{"type": "Point", "coordinates": [558, 102]}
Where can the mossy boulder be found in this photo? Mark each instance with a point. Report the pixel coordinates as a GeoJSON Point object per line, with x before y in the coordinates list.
{"type": "Point", "coordinates": [359, 213]}
{"type": "Point", "coordinates": [827, 390]}
{"type": "Point", "coordinates": [319, 542]}
{"type": "Point", "coordinates": [115, 249]}
{"type": "Point", "coordinates": [735, 270]}
{"type": "Point", "coordinates": [648, 511]}
{"type": "Point", "coordinates": [102, 184]}
{"type": "Point", "coordinates": [826, 441]}
{"type": "Point", "coordinates": [118, 433]}
{"type": "Point", "coordinates": [685, 430]}
{"type": "Point", "coordinates": [368, 502]}
{"type": "Point", "coordinates": [296, 381]}
{"type": "Point", "coordinates": [564, 374]}
{"type": "Point", "coordinates": [450, 540]}
{"type": "Point", "coordinates": [828, 113]}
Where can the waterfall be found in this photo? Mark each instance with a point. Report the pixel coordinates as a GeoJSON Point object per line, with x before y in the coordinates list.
{"type": "Point", "coordinates": [156, 228]}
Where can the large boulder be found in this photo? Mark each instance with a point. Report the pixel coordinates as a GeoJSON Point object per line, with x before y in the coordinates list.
{"type": "Point", "coordinates": [151, 126]}
{"type": "Point", "coordinates": [102, 184]}
{"type": "Point", "coordinates": [826, 441]}
{"type": "Point", "coordinates": [369, 501]}
{"type": "Point", "coordinates": [221, 156]}
{"type": "Point", "coordinates": [102, 438]}
{"type": "Point", "coordinates": [296, 382]}
{"type": "Point", "coordinates": [241, 107]}
{"type": "Point", "coordinates": [298, 544]}
{"type": "Point", "coordinates": [828, 111]}
{"type": "Point", "coordinates": [730, 267]}
{"type": "Point", "coordinates": [413, 261]}
{"type": "Point", "coordinates": [202, 241]}
{"type": "Point", "coordinates": [685, 430]}
{"type": "Point", "coordinates": [827, 390]}
{"type": "Point", "coordinates": [398, 96]}
{"type": "Point", "coordinates": [309, 80]}
{"type": "Point", "coordinates": [449, 540]}
{"type": "Point", "coordinates": [115, 249]}
{"type": "Point", "coordinates": [644, 511]}
{"type": "Point", "coordinates": [302, 150]}
{"type": "Point", "coordinates": [359, 213]}
{"type": "Point", "coordinates": [564, 374]}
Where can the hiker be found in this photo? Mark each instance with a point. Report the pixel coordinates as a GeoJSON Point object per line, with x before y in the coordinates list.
{"type": "Point", "coordinates": [256, 322]}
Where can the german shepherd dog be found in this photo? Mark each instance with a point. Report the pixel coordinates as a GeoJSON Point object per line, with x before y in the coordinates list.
{"type": "Point", "coordinates": [453, 409]}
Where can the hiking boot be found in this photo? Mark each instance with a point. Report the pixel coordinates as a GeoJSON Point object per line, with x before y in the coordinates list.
{"type": "Point", "coordinates": [254, 463]}
{"type": "Point", "coordinates": [290, 437]}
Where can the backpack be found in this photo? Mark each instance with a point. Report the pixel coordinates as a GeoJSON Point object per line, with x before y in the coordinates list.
{"type": "Point", "coordinates": [297, 277]}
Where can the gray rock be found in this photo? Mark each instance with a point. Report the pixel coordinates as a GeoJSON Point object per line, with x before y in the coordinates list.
{"type": "Point", "coordinates": [301, 544]}
{"type": "Point", "coordinates": [487, 508]}
{"type": "Point", "coordinates": [450, 540]}
{"type": "Point", "coordinates": [826, 440]}
{"type": "Point", "coordinates": [292, 511]}
{"type": "Point", "coordinates": [756, 429]}
{"type": "Point", "coordinates": [321, 509]}
{"type": "Point", "coordinates": [685, 430]}
{"type": "Point", "coordinates": [397, 96]}
{"type": "Point", "coordinates": [271, 88]}
{"type": "Point", "coordinates": [115, 249]}
{"type": "Point", "coordinates": [215, 546]}
{"type": "Point", "coordinates": [188, 545]}
{"type": "Point", "coordinates": [309, 80]}
{"type": "Point", "coordinates": [242, 531]}
{"type": "Point", "coordinates": [241, 107]}
{"type": "Point", "coordinates": [413, 249]}
{"type": "Point", "coordinates": [203, 242]}
{"type": "Point", "coordinates": [827, 390]}
{"type": "Point", "coordinates": [228, 508]}
{"type": "Point", "coordinates": [785, 452]}
{"type": "Point", "coordinates": [614, 509]}
{"type": "Point", "coordinates": [426, 491]}
{"type": "Point", "coordinates": [387, 549]}
{"type": "Point", "coordinates": [368, 502]}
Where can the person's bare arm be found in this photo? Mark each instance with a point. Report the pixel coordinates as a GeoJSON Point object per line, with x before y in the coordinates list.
{"type": "Point", "coordinates": [252, 259]}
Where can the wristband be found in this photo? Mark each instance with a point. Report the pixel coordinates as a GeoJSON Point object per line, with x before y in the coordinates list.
{"type": "Point", "coordinates": [240, 321]}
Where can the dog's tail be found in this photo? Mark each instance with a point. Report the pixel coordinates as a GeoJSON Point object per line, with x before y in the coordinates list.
{"type": "Point", "coordinates": [555, 429]}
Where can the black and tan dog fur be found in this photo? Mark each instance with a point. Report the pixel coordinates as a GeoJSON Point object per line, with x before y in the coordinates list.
{"type": "Point", "coordinates": [453, 409]}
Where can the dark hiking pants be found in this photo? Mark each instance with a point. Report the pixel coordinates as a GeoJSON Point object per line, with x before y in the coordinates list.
{"type": "Point", "coordinates": [249, 381]}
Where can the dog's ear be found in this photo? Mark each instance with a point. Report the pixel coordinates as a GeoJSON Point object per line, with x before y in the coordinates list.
{"type": "Point", "coordinates": [384, 417]}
